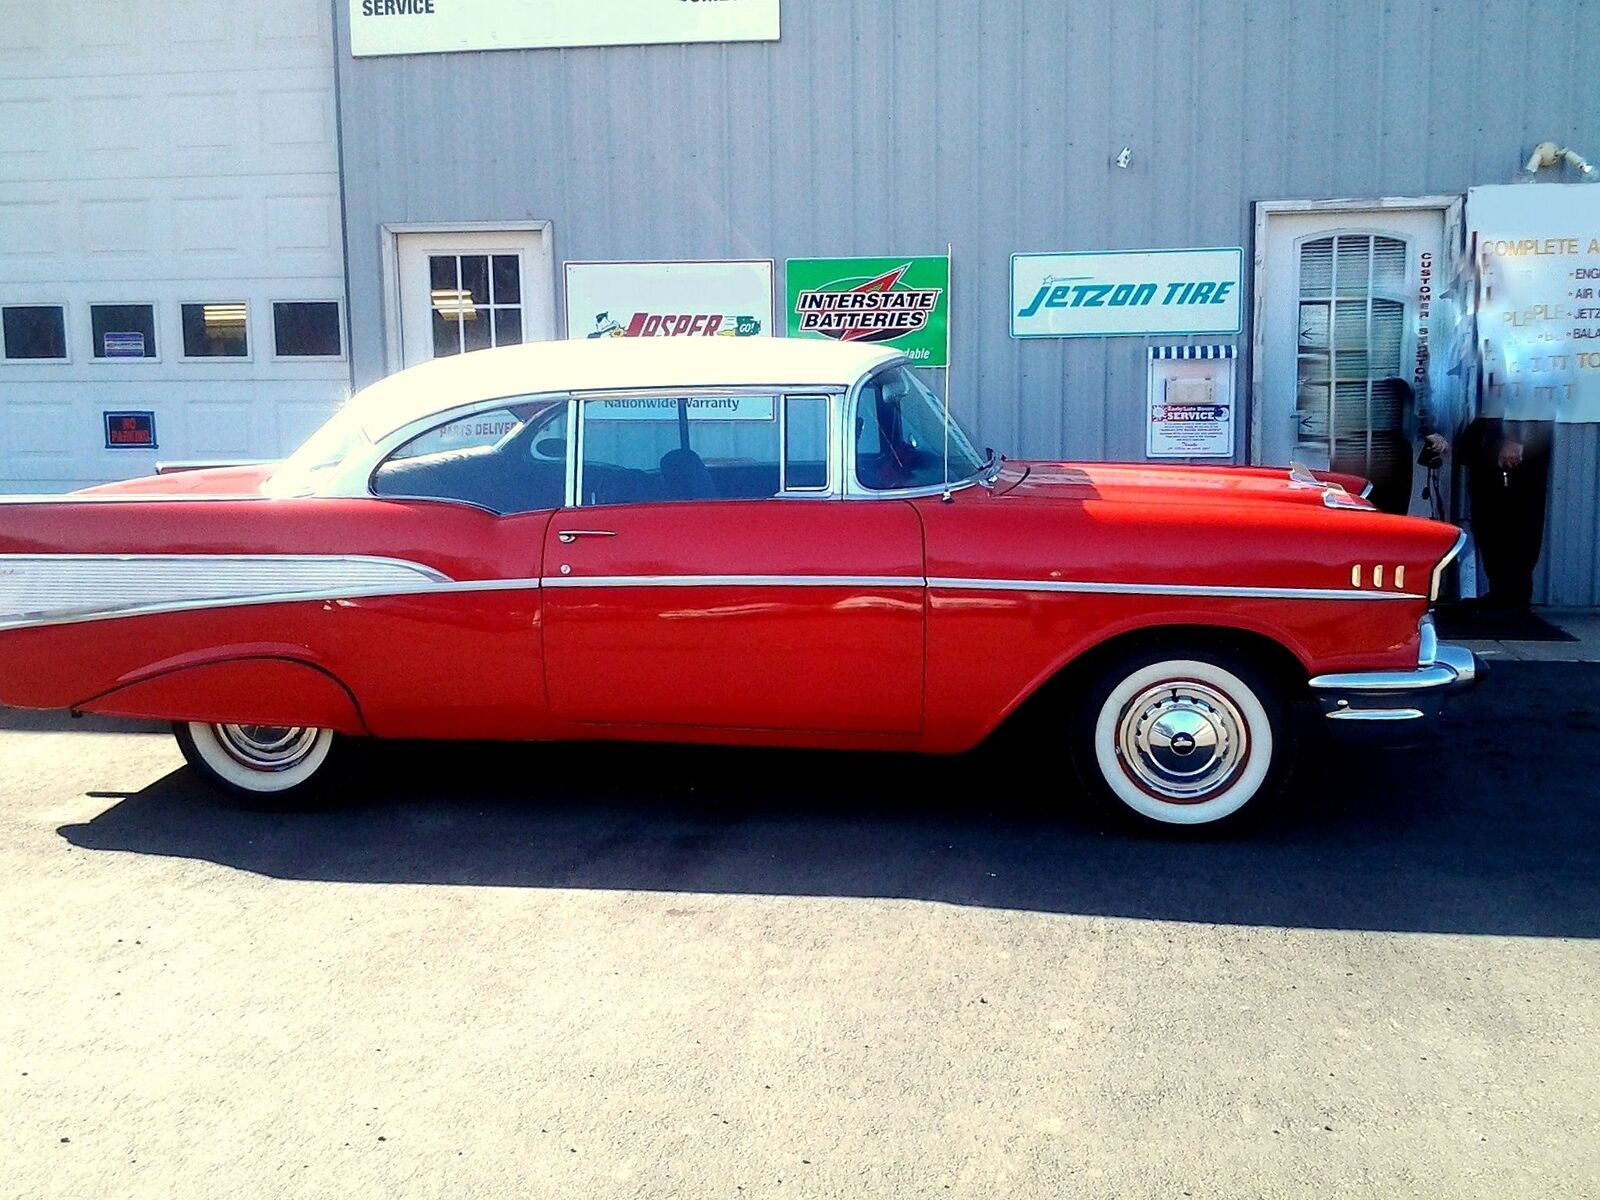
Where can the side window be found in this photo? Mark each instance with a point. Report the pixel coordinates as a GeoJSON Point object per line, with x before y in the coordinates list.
{"type": "Point", "coordinates": [679, 448]}
{"type": "Point", "coordinates": [508, 460]}
{"type": "Point", "coordinates": [900, 435]}
{"type": "Point", "coordinates": [805, 443]}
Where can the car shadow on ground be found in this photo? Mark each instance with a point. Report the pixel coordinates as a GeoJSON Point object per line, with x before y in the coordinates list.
{"type": "Point", "coordinates": [1492, 827]}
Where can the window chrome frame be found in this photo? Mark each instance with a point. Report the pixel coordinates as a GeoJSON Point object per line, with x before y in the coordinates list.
{"type": "Point", "coordinates": [370, 462]}
{"type": "Point", "coordinates": [778, 392]}
{"type": "Point", "coordinates": [853, 489]}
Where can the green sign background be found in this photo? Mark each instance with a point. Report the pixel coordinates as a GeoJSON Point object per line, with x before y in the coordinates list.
{"type": "Point", "coordinates": [926, 347]}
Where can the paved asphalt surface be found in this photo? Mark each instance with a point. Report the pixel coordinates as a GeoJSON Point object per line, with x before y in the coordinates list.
{"type": "Point", "coordinates": [601, 972]}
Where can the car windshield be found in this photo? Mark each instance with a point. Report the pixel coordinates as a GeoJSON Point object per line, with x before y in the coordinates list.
{"type": "Point", "coordinates": [900, 436]}
{"type": "Point", "coordinates": [302, 472]}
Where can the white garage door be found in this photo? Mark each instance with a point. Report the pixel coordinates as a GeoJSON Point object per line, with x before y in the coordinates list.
{"type": "Point", "coordinates": [169, 236]}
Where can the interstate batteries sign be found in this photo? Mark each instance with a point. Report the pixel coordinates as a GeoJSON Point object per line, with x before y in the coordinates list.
{"type": "Point", "coordinates": [898, 302]}
{"type": "Point", "coordinates": [1123, 292]}
{"type": "Point", "coordinates": [440, 26]}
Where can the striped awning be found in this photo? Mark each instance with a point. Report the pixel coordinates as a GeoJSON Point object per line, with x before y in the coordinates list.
{"type": "Point", "coordinates": [1159, 352]}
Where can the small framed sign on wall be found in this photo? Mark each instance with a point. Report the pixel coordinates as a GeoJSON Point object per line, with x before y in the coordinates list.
{"type": "Point", "coordinates": [130, 431]}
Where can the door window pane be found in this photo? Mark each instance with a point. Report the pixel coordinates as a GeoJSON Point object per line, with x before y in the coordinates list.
{"type": "Point", "coordinates": [306, 328]}
{"type": "Point", "coordinates": [805, 443]}
{"type": "Point", "coordinates": [1354, 312]}
{"type": "Point", "coordinates": [214, 331]}
{"type": "Point", "coordinates": [507, 326]}
{"type": "Point", "coordinates": [679, 448]}
{"type": "Point", "coordinates": [123, 330]}
{"type": "Point", "coordinates": [476, 301]}
{"type": "Point", "coordinates": [507, 279]}
{"type": "Point", "coordinates": [35, 331]}
{"type": "Point", "coordinates": [475, 278]}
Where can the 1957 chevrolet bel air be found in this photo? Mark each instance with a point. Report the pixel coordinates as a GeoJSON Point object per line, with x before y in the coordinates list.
{"type": "Point", "coordinates": [754, 540]}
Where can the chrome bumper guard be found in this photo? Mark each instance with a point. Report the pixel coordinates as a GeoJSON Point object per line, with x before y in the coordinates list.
{"type": "Point", "coordinates": [1400, 695]}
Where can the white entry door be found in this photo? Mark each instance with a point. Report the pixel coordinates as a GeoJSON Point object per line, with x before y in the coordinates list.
{"type": "Point", "coordinates": [1346, 305]}
{"type": "Point", "coordinates": [470, 290]}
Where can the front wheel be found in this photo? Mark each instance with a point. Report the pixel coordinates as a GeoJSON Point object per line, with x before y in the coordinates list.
{"type": "Point", "coordinates": [277, 766]}
{"type": "Point", "coordinates": [1177, 740]}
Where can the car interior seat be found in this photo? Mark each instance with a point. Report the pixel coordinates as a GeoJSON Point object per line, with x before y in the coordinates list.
{"type": "Point", "coordinates": [684, 476]}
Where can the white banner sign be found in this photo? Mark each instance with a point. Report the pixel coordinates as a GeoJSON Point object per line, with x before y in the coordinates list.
{"type": "Point", "coordinates": [440, 26]}
{"type": "Point", "coordinates": [1538, 248]}
{"type": "Point", "coordinates": [696, 408]}
{"type": "Point", "coordinates": [1111, 293]}
{"type": "Point", "coordinates": [669, 299]}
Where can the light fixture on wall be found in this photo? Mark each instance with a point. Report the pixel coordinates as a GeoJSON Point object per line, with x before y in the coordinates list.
{"type": "Point", "coordinates": [1548, 154]}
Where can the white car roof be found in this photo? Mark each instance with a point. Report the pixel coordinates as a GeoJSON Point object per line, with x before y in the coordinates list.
{"type": "Point", "coordinates": [609, 364]}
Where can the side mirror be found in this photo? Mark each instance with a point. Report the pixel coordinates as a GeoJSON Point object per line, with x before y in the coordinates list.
{"type": "Point", "coordinates": [551, 447]}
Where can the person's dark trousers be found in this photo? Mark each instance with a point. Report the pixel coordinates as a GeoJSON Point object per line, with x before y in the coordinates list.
{"type": "Point", "coordinates": [1508, 507]}
{"type": "Point", "coordinates": [1391, 483]}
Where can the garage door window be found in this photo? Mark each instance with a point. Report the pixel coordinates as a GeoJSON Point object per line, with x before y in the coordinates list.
{"type": "Point", "coordinates": [306, 329]}
{"type": "Point", "coordinates": [215, 331]}
{"type": "Point", "coordinates": [123, 331]}
{"type": "Point", "coordinates": [35, 332]}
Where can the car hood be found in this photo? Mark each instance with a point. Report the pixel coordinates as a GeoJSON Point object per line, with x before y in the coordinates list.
{"type": "Point", "coordinates": [210, 481]}
{"type": "Point", "coordinates": [1178, 483]}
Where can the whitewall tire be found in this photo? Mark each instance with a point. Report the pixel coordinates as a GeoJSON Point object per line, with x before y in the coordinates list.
{"type": "Point", "coordinates": [1183, 740]}
{"type": "Point", "coordinates": [278, 766]}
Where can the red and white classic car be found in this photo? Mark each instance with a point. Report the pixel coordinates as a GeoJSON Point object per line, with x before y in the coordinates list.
{"type": "Point", "coordinates": [758, 540]}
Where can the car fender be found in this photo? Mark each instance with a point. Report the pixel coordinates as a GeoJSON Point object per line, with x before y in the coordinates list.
{"type": "Point", "coordinates": [257, 689]}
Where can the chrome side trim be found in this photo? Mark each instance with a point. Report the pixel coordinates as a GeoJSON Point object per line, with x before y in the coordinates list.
{"type": "Point", "coordinates": [618, 581]}
{"type": "Point", "coordinates": [1164, 589]}
{"type": "Point", "coordinates": [177, 466]}
{"type": "Point", "coordinates": [1376, 714]}
{"type": "Point", "coordinates": [1438, 572]}
{"type": "Point", "coordinates": [331, 596]}
{"type": "Point", "coordinates": [41, 588]}
{"type": "Point", "coordinates": [133, 498]}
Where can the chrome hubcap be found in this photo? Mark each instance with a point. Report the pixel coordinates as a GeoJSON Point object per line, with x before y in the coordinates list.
{"type": "Point", "coordinates": [267, 747]}
{"type": "Point", "coordinates": [1182, 740]}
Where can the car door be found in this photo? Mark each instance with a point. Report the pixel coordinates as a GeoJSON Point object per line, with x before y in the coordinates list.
{"type": "Point", "coordinates": [709, 577]}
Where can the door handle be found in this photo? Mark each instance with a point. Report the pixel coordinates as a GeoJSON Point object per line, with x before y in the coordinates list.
{"type": "Point", "coordinates": [571, 535]}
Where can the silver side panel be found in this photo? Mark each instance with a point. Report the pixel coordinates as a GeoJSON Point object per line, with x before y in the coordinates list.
{"type": "Point", "coordinates": [49, 588]}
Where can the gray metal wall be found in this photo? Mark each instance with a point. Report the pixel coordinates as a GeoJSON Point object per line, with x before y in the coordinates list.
{"type": "Point", "coordinates": [894, 126]}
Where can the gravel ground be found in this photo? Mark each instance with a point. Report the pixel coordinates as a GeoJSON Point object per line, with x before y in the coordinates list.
{"type": "Point", "coordinates": [617, 972]}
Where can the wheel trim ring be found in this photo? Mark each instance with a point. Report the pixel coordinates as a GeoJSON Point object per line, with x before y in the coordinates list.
{"type": "Point", "coordinates": [1218, 713]}
{"type": "Point", "coordinates": [267, 748]}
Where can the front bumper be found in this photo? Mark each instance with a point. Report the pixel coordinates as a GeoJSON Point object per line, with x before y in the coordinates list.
{"type": "Point", "coordinates": [1399, 697]}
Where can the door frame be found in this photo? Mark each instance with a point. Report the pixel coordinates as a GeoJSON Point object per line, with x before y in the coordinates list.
{"type": "Point", "coordinates": [1264, 211]}
{"type": "Point", "coordinates": [390, 233]}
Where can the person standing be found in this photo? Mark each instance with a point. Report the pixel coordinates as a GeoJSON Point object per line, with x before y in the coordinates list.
{"type": "Point", "coordinates": [1506, 451]}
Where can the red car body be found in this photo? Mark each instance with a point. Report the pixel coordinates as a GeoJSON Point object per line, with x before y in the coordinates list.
{"type": "Point", "coordinates": [914, 621]}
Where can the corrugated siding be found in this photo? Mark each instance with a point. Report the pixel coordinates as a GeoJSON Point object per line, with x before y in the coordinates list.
{"type": "Point", "coordinates": [880, 126]}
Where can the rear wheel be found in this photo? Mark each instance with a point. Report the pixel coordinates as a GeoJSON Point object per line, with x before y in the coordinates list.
{"type": "Point", "coordinates": [278, 766]}
{"type": "Point", "coordinates": [1183, 740]}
